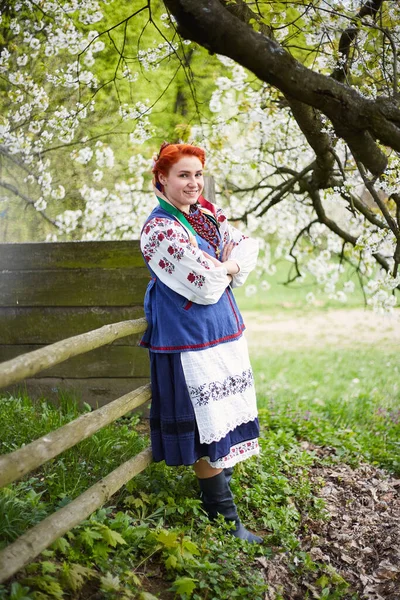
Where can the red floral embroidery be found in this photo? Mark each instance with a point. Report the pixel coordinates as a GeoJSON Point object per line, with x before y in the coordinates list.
{"type": "Point", "coordinates": [176, 251]}
{"type": "Point", "coordinates": [244, 448]}
{"type": "Point", "coordinates": [156, 222]}
{"type": "Point", "coordinates": [166, 265]}
{"type": "Point", "coordinates": [221, 218]}
{"type": "Point", "coordinates": [150, 248]}
{"type": "Point", "coordinates": [197, 280]}
{"type": "Point", "coordinates": [157, 232]}
{"type": "Point", "coordinates": [203, 263]}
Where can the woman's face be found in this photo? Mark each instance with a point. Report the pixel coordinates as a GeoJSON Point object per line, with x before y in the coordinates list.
{"type": "Point", "coordinates": [184, 182]}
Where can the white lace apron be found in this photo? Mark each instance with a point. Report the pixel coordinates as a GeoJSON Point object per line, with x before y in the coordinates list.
{"type": "Point", "coordinates": [221, 387]}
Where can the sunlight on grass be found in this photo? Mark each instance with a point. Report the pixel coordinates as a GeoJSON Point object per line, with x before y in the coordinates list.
{"type": "Point", "coordinates": [293, 296]}
{"type": "Point", "coordinates": [348, 399]}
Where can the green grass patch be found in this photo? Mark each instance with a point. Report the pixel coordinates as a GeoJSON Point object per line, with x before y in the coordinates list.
{"type": "Point", "coordinates": [292, 297]}
{"type": "Point", "coordinates": [63, 478]}
{"type": "Point", "coordinates": [348, 399]}
{"type": "Point", "coordinates": [154, 540]}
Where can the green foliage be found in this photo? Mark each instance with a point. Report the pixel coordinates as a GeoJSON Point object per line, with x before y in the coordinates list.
{"type": "Point", "coordinates": [184, 586]}
{"type": "Point", "coordinates": [347, 399]}
{"type": "Point", "coordinates": [20, 507]}
{"type": "Point", "coordinates": [155, 541]}
{"type": "Point", "coordinates": [25, 503]}
{"type": "Point", "coordinates": [176, 85]}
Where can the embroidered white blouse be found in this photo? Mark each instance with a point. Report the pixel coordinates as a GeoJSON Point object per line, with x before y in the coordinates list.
{"type": "Point", "coordinates": [165, 245]}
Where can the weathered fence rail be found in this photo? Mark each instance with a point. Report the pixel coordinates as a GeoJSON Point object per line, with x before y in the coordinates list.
{"type": "Point", "coordinates": [37, 539]}
{"type": "Point", "coordinates": [32, 363]}
{"type": "Point", "coordinates": [22, 461]}
{"type": "Point", "coordinates": [17, 464]}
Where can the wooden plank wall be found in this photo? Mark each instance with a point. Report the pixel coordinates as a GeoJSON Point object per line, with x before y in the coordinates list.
{"type": "Point", "coordinates": [51, 291]}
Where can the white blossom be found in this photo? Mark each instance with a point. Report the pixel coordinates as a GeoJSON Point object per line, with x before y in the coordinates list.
{"type": "Point", "coordinates": [104, 156]}
{"type": "Point", "coordinates": [40, 204]}
{"type": "Point", "coordinates": [82, 156]}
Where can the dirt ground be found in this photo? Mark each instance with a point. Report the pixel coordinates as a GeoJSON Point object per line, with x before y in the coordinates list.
{"type": "Point", "coordinates": [359, 542]}
{"type": "Point", "coordinates": [335, 327]}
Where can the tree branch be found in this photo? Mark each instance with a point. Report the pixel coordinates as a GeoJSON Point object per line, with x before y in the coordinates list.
{"type": "Point", "coordinates": [382, 206]}
{"type": "Point", "coordinates": [296, 262]}
{"type": "Point", "coordinates": [16, 192]}
{"type": "Point", "coordinates": [365, 210]}
{"type": "Point", "coordinates": [358, 120]}
{"type": "Point", "coordinates": [284, 189]}
{"type": "Point", "coordinates": [347, 237]}
{"type": "Point", "coordinates": [310, 122]}
{"type": "Point", "coordinates": [369, 9]}
{"type": "Point", "coordinates": [307, 118]}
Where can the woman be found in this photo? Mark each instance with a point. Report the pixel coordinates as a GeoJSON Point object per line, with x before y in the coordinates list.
{"type": "Point", "coordinates": [203, 410]}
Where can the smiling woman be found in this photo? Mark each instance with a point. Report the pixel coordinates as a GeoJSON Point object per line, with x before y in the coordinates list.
{"type": "Point", "coordinates": [184, 183]}
{"type": "Point", "coordinates": [203, 410]}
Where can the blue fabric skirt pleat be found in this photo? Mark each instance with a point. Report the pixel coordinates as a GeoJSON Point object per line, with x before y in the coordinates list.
{"type": "Point", "coordinates": [174, 433]}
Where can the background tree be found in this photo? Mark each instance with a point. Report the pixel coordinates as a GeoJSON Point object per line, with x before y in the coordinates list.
{"type": "Point", "coordinates": [296, 103]}
{"type": "Point", "coordinates": [342, 91]}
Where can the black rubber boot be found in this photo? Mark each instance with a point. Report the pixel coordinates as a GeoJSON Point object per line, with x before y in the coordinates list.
{"type": "Point", "coordinates": [228, 474]}
{"type": "Point", "coordinates": [217, 499]}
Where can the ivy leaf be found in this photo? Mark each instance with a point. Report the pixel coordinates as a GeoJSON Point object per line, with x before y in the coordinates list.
{"type": "Point", "coordinates": [184, 585]}
{"type": "Point", "coordinates": [61, 544]}
{"type": "Point", "coordinates": [141, 531]}
{"type": "Point", "coordinates": [47, 585]}
{"type": "Point", "coordinates": [191, 547]}
{"type": "Point", "coordinates": [88, 536]}
{"type": "Point", "coordinates": [112, 537]}
{"type": "Point", "coordinates": [134, 501]}
{"type": "Point", "coordinates": [101, 550]}
{"type": "Point", "coordinates": [167, 538]}
{"type": "Point", "coordinates": [75, 575]}
{"type": "Point", "coordinates": [48, 567]}
{"type": "Point", "coordinates": [147, 596]}
{"type": "Point", "coordinates": [171, 562]}
{"type": "Point", "coordinates": [109, 583]}
{"type": "Point", "coordinates": [19, 592]}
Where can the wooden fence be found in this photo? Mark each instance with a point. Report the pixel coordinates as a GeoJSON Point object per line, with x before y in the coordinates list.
{"type": "Point", "coordinates": [29, 457]}
{"type": "Point", "coordinates": [49, 291]}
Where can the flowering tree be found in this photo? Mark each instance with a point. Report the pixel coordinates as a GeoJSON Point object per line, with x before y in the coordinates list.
{"type": "Point", "coordinates": [330, 74]}
{"type": "Point", "coordinates": [296, 104]}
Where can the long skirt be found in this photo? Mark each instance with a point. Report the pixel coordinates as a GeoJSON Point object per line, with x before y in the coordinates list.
{"type": "Point", "coordinates": [203, 406]}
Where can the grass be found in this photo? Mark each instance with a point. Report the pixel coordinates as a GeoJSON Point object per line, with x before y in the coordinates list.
{"type": "Point", "coordinates": [64, 477]}
{"type": "Point", "coordinates": [154, 540]}
{"type": "Point", "coordinates": [348, 399]}
{"type": "Point", "coordinates": [292, 297]}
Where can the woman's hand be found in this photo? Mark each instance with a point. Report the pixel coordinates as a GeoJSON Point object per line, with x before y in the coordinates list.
{"type": "Point", "coordinates": [231, 265]}
{"type": "Point", "coordinates": [226, 251]}
{"type": "Point", "coordinates": [212, 259]}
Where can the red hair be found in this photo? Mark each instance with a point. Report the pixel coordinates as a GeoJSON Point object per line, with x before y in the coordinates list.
{"type": "Point", "coordinates": [169, 154]}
